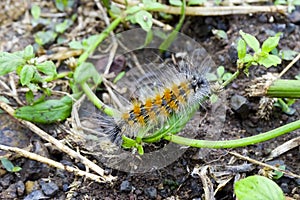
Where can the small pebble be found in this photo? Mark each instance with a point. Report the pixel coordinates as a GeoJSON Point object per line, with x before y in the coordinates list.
{"type": "Point", "coordinates": [20, 188]}
{"type": "Point", "coordinates": [151, 192]}
{"type": "Point", "coordinates": [6, 180]}
{"type": "Point", "coordinates": [9, 193]}
{"type": "Point", "coordinates": [36, 195]}
{"type": "Point", "coordinates": [240, 105]}
{"type": "Point", "coordinates": [50, 189]}
{"type": "Point", "coordinates": [125, 186]}
{"type": "Point", "coordinates": [285, 188]}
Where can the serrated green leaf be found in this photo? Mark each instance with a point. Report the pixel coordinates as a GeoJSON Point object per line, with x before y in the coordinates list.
{"type": "Point", "coordinates": [28, 52]}
{"type": "Point", "coordinates": [241, 48]}
{"type": "Point", "coordinates": [270, 43]}
{"type": "Point", "coordinates": [35, 11]}
{"type": "Point", "coordinates": [251, 41]}
{"type": "Point", "coordinates": [257, 187]}
{"type": "Point", "coordinates": [9, 62]}
{"type": "Point", "coordinates": [85, 71]}
{"type": "Point", "coordinates": [46, 112]}
{"type": "Point", "coordinates": [7, 164]}
{"type": "Point", "coordinates": [144, 19]}
{"type": "Point", "coordinates": [27, 74]}
{"type": "Point", "coordinates": [175, 2]}
{"type": "Point", "coordinates": [48, 68]}
{"type": "Point", "coordinates": [115, 10]}
{"type": "Point", "coordinates": [269, 60]}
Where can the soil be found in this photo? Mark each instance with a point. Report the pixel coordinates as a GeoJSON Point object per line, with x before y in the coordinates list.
{"type": "Point", "coordinates": [179, 179]}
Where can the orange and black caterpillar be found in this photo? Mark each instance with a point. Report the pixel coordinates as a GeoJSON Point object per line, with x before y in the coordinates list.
{"type": "Point", "coordinates": [173, 92]}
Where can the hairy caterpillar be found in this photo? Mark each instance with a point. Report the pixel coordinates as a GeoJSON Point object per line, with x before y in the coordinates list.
{"type": "Point", "coordinates": [174, 90]}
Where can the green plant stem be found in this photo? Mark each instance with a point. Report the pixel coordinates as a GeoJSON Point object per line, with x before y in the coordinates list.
{"type": "Point", "coordinates": [167, 42]}
{"type": "Point", "coordinates": [284, 89]}
{"type": "Point", "coordinates": [234, 76]}
{"type": "Point", "coordinates": [237, 142]}
{"type": "Point", "coordinates": [101, 37]}
{"type": "Point", "coordinates": [58, 76]}
{"type": "Point", "coordinates": [96, 101]}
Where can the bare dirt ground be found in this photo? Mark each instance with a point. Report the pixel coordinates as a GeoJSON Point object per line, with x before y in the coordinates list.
{"type": "Point", "coordinates": [37, 181]}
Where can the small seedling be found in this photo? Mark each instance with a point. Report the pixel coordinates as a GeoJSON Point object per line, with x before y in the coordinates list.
{"type": "Point", "coordinates": [261, 55]}
{"type": "Point", "coordinates": [9, 166]}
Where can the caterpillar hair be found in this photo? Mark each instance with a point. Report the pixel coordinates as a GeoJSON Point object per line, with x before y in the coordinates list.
{"type": "Point", "coordinates": [174, 89]}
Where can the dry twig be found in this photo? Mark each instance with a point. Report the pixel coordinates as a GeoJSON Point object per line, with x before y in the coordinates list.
{"type": "Point", "coordinates": [59, 145]}
{"type": "Point", "coordinates": [52, 163]}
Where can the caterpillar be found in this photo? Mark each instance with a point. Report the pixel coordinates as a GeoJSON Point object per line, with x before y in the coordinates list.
{"type": "Point", "coordinates": [174, 89]}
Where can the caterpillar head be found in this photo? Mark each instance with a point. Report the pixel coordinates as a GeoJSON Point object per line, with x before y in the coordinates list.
{"type": "Point", "coordinates": [200, 86]}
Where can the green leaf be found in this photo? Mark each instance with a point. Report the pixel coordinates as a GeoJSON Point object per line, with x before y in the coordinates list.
{"type": "Point", "coordinates": [257, 187]}
{"type": "Point", "coordinates": [269, 60]}
{"type": "Point", "coordinates": [119, 77]}
{"type": "Point", "coordinates": [288, 54]}
{"type": "Point", "coordinates": [7, 164]}
{"type": "Point", "coordinates": [220, 71]}
{"type": "Point", "coordinates": [226, 76]}
{"type": "Point", "coordinates": [175, 2]}
{"type": "Point", "coordinates": [48, 68]}
{"type": "Point", "coordinates": [241, 48]}
{"type": "Point", "coordinates": [61, 27]}
{"type": "Point", "coordinates": [133, 9]}
{"type": "Point", "coordinates": [28, 52]}
{"type": "Point", "coordinates": [213, 98]}
{"type": "Point", "coordinates": [270, 43]}
{"type": "Point", "coordinates": [140, 150]}
{"type": "Point", "coordinates": [16, 169]}
{"type": "Point", "coordinates": [248, 58]}
{"type": "Point", "coordinates": [27, 74]}
{"type": "Point", "coordinates": [279, 174]}
{"type": "Point", "coordinates": [220, 34]}
{"type": "Point", "coordinates": [196, 2]}
{"type": "Point", "coordinates": [76, 45]}
{"type": "Point", "coordinates": [128, 142]}
{"type": "Point", "coordinates": [251, 41]}
{"type": "Point", "coordinates": [85, 71]}
{"type": "Point", "coordinates": [153, 5]}
{"type": "Point", "coordinates": [62, 5]}
{"type": "Point", "coordinates": [144, 19]}
{"type": "Point", "coordinates": [9, 62]}
{"type": "Point", "coordinates": [42, 37]}
{"type": "Point", "coordinates": [35, 12]}
{"type": "Point", "coordinates": [115, 10]}
{"type": "Point", "coordinates": [29, 97]}
{"type": "Point", "coordinates": [211, 77]}
{"type": "Point", "coordinates": [46, 112]}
